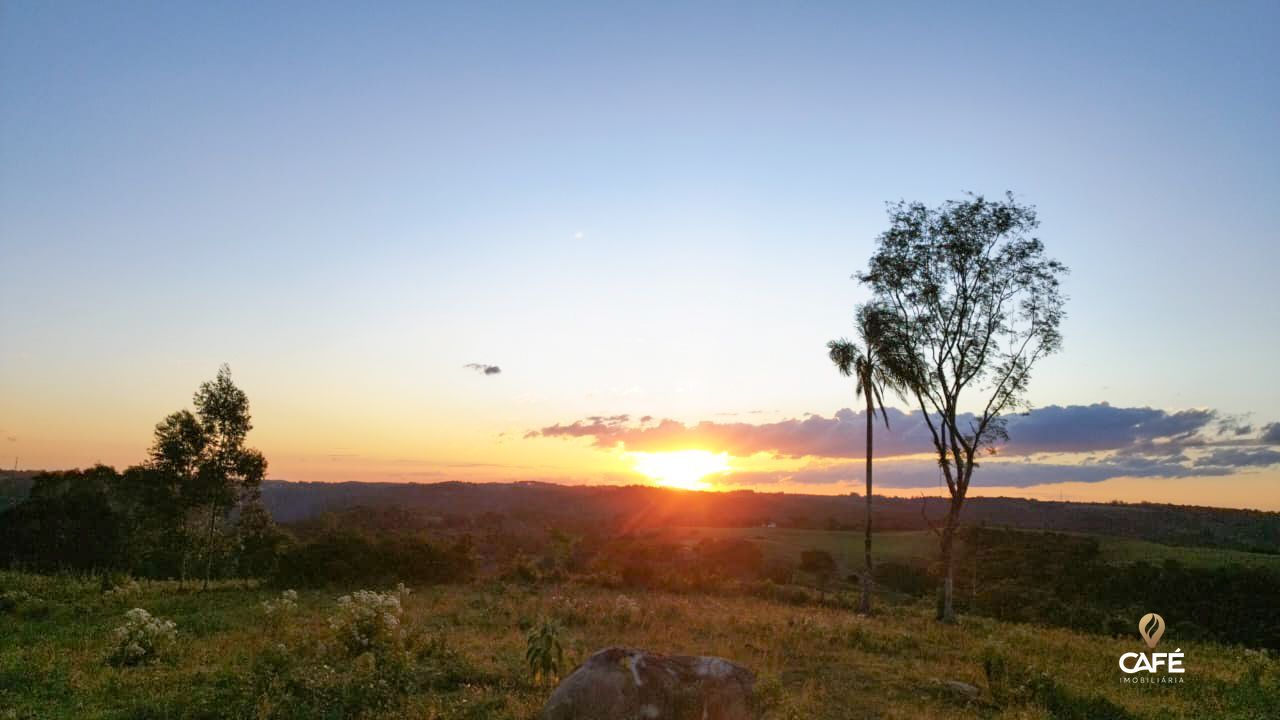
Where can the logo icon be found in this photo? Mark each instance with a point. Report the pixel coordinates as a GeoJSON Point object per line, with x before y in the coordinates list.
{"type": "Point", "coordinates": [1151, 628]}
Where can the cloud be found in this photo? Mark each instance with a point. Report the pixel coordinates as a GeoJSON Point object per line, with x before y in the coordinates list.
{"type": "Point", "coordinates": [1052, 429]}
{"type": "Point", "coordinates": [1119, 442]}
{"type": "Point", "coordinates": [1101, 426]}
{"type": "Point", "coordinates": [1238, 457]}
{"type": "Point", "coordinates": [1271, 434]}
{"type": "Point", "coordinates": [993, 473]}
{"type": "Point", "coordinates": [482, 368]}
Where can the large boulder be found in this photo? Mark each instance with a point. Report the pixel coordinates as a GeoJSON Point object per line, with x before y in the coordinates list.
{"type": "Point", "coordinates": [621, 683]}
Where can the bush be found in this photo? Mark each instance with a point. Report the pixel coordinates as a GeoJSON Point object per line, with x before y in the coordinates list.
{"type": "Point", "coordinates": [626, 610]}
{"type": "Point", "coordinates": [369, 621]}
{"type": "Point", "coordinates": [1010, 684]}
{"type": "Point", "coordinates": [570, 610]}
{"type": "Point", "coordinates": [121, 588]}
{"type": "Point", "coordinates": [996, 667]}
{"type": "Point", "coordinates": [543, 652]}
{"type": "Point", "coordinates": [141, 638]}
{"type": "Point", "coordinates": [348, 558]}
{"type": "Point", "coordinates": [279, 610]}
{"type": "Point", "coordinates": [1257, 665]}
{"type": "Point", "coordinates": [905, 578]}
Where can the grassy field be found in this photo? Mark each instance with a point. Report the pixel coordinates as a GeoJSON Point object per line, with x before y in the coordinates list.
{"type": "Point", "coordinates": [463, 657]}
{"type": "Point", "coordinates": [921, 547]}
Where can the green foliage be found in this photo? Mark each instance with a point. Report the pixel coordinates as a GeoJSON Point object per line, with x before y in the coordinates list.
{"type": "Point", "coordinates": [368, 621]}
{"type": "Point", "coordinates": [1064, 580]}
{"type": "Point", "coordinates": [996, 668]}
{"type": "Point", "coordinates": [69, 521]}
{"type": "Point", "coordinates": [543, 653]}
{"type": "Point", "coordinates": [346, 558]}
{"type": "Point", "coordinates": [162, 519]}
{"type": "Point", "coordinates": [1011, 684]}
{"type": "Point", "coordinates": [820, 565]}
{"type": "Point", "coordinates": [967, 302]}
{"type": "Point", "coordinates": [141, 638]}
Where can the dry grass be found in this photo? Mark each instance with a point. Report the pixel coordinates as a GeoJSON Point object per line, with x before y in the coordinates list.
{"type": "Point", "coordinates": [812, 662]}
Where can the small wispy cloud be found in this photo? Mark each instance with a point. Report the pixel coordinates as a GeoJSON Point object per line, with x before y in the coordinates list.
{"type": "Point", "coordinates": [483, 369]}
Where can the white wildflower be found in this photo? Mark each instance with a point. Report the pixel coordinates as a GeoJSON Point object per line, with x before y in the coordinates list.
{"type": "Point", "coordinates": [282, 606]}
{"type": "Point", "coordinates": [368, 620]}
{"type": "Point", "coordinates": [626, 609]}
{"type": "Point", "coordinates": [141, 637]}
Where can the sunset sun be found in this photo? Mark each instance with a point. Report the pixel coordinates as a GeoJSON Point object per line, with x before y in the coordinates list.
{"type": "Point", "coordinates": [684, 469]}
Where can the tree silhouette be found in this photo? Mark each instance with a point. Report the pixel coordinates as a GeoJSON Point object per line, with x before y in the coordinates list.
{"type": "Point", "coordinates": [872, 367]}
{"type": "Point", "coordinates": [972, 304]}
{"type": "Point", "coordinates": [201, 468]}
{"type": "Point", "coordinates": [167, 486]}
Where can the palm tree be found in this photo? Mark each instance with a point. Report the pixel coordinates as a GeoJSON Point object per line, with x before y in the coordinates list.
{"type": "Point", "coordinates": [872, 365]}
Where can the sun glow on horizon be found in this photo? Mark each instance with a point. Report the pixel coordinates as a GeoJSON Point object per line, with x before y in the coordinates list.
{"type": "Point", "coordinates": [682, 469]}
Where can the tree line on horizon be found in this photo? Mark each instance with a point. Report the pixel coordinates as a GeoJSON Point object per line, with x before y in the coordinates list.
{"type": "Point", "coordinates": [193, 509]}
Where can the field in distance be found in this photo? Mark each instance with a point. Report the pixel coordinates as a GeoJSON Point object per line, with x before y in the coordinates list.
{"type": "Point", "coordinates": [920, 547]}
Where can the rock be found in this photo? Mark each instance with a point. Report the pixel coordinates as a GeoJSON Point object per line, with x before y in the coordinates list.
{"type": "Point", "coordinates": [962, 689]}
{"type": "Point", "coordinates": [621, 683]}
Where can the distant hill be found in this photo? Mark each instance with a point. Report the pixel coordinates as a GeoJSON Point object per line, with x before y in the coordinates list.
{"type": "Point", "coordinates": [636, 506]}
{"type": "Point", "coordinates": [642, 506]}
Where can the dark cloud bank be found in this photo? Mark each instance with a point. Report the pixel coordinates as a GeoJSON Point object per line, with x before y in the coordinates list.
{"type": "Point", "coordinates": [1116, 442]}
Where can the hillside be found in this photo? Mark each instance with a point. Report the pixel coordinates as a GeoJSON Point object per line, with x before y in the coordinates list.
{"type": "Point", "coordinates": [644, 506]}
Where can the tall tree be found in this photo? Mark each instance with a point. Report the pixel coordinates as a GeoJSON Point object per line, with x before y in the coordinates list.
{"type": "Point", "coordinates": [872, 367]}
{"type": "Point", "coordinates": [974, 303]}
{"type": "Point", "coordinates": [200, 470]}
{"type": "Point", "coordinates": [229, 472]}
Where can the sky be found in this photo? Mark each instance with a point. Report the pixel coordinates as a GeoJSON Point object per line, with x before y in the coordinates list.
{"type": "Point", "coordinates": [631, 210]}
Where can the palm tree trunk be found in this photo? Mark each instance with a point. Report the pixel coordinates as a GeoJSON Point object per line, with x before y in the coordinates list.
{"type": "Point", "coordinates": [867, 572]}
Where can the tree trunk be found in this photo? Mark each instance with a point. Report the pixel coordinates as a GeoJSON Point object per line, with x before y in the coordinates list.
{"type": "Point", "coordinates": [208, 545]}
{"type": "Point", "coordinates": [946, 609]}
{"type": "Point", "coordinates": [865, 605]}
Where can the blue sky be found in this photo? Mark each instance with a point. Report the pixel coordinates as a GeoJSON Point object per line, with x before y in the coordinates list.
{"type": "Point", "coordinates": [642, 208]}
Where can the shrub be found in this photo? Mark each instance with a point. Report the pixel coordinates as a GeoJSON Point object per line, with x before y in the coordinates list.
{"type": "Point", "coordinates": [341, 557]}
{"type": "Point", "coordinates": [543, 652]}
{"type": "Point", "coordinates": [626, 610]}
{"type": "Point", "coordinates": [141, 638]}
{"type": "Point", "coordinates": [13, 600]}
{"type": "Point", "coordinates": [125, 589]}
{"type": "Point", "coordinates": [278, 610]}
{"type": "Point", "coordinates": [368, 621]}
{"type": "Point", "coordinates": [996, 666]}
{"type": "Point", "coordinates": [905, 578]}
{"type": "Point", "coordinates": [1257, 665]}
{"type": "Point", "coordinates": [571, 610]}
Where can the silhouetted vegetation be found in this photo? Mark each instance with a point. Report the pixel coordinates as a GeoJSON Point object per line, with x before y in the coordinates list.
{"type": "Point", "coordinates": [350, 558]}
{"type": "Point", "coordinates": [967, 302]}
{"type": "Point", "coordinates": [874, 368]}
{"type": "Point", "coordinates": [1061, 580]}
{"type": "Point", "coordinates": [194, 507]}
